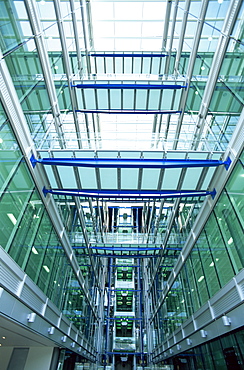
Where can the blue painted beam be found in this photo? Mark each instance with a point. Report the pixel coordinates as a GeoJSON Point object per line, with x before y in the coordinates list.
{"type": "Point", "coordinates": [123, 318]}
{"type": "Point", "coordinates": [127, 111]}
{"type": "Point", "coordinates": [121, 249]}
{"type": "Point", "coordinates": [116, 55]}
{"type": "Point", "coordinates": [130, 163]}
{"type": "Point", "coordinates": [125, 353]}
{"type": "Point", "coordinates": [122, 86]}
{"type": "Point", "coordinates": [123, 255]}
{"type": "Point", "coordinates": [137, 249]}
{"type": "Point", "coordinates": [126, 265]}
{"type": "Point", "coordinates": [124, 290]}
{"type": "Point", "coordinates": [121, 194]}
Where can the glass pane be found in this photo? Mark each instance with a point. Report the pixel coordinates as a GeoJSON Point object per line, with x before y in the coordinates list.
{"type": "Point", "coordinates": [221, 258]}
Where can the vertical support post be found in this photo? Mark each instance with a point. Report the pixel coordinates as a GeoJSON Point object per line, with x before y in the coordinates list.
{"type": "Point", "coordinates": [140, 310]}
{"type": "Point", "coordinates": [47, 73]}
{"type": "Point", "coordinates": [108, 311]}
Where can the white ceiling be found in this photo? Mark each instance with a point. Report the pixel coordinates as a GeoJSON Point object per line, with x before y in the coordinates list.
{"type": "Point", "coordinates": [16, 335]}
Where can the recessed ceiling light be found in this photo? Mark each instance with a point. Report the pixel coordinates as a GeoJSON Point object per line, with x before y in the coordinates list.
{"type": "Point", "coordinates": [200, 279]}
{"type": "Point", "coordinates": [46, 268]}
{"type": "Point", "coordinates": [210, 38]}
{"type": "Point", "coordinates": [220, 1]}
{"type": "Point", "coordinates": [3, 337]}
{"type": "Point", "coordinates": [55, 67]}
{"type": "Point", "coordinates": [42, 2]}
{"type": "Point", "coordinates": [196, 92]}
{"type": "Point", "coordinates": [33, 249]}
{"type": "Point", "coordinates": [12, 218]}
{"type": "Point", "coordinates": [202, 68]}
{"type": "Point", "coordinates": [1, 140]}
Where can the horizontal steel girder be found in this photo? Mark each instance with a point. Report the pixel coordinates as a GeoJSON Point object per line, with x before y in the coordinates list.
{"type": "Point", "coordinates": [124, 194]}
{"type": "Point", "coordinates": [129, 86]}
{"type": "Point", "coordinates": [116, 55]}
{"type": "Point", "coordinates": [134, 249]}
{"type": "Point", "coordinates": [128, 111]}
{"type": "Point", "coordinates": [130, 163]}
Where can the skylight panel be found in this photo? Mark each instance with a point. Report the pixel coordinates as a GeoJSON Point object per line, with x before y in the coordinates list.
{"type": "Point", "coordinates": [102, 10]}
{"type": "Point", "coordinates": [128, 29]}
{"type": "Point", "coordinates": [154, 10]}
{"type": "Point", "coordinates": [125, 10]}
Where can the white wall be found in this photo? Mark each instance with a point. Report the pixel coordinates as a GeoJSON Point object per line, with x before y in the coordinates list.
{"type": "Point", "coordinates": [5, 354]}
{"type": "Point", "coordinates": [39, 358]}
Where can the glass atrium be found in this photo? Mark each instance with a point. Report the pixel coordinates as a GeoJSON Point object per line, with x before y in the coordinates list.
{"type": "Point", "coordinates": [121, 178]}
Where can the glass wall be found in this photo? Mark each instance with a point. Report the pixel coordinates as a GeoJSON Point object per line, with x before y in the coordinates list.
{"type": "Point", "coordinates": [224, 353]}
{"type": "Point", "coordinates": [217, 256]}
{"type": "Point", "coordinates": [27, 234]}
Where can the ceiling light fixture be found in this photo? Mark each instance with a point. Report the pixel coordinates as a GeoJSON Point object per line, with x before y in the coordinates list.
{"type": "Point", "coordinates": [46, 268]}
{"type": "Point", "coordinates": [12, 218]}
{"type": "Point", "coordinates": [33, 249]}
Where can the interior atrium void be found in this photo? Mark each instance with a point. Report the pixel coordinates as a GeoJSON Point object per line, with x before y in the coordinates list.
{"type": "Point", "coordinates": [121, 184]}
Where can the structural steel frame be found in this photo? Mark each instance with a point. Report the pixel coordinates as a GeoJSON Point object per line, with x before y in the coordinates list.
{"type": "Point", "coordinates": [131, 163]}
{"type": "Point", "coordinates": [135, 194]}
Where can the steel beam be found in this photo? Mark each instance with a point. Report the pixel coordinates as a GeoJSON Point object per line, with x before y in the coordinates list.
{"type": "Point", "coordinates": [216, 65]}
{"type": "Point", "coordinates": [166, 24]}
{"type": "Point", "coordinates": [158, 221]}
{"type": "Point", "coordinates": [93, 219]}
{"type": "Point", "coordinates": [86, 38]}
{"type": "Point", "coordinates": [100, 219]}
{"type": "Point", "coordinates": [67, 68]}
{"type": "Point", "coordinates": [127, 111]}
{"type": "Point", "coordinates": [142, 194]}
{"type": "Point", "coordinates": [46, 69]}
{"type": "Point", "coordinates": [116, 55]}
{"type": "Point", "coordinates": [152, 213]}
{"type": "Point", "coordinates": [165, 241]}
{"type": "Point", "coordinates": [76, 35]}
{"type": "Point", "coordinates": [121, 249]}
{"type": "Point", "coordinates": [192, 60]}
{"type": "Point", "coordinates": [130, 163]}
{"type": "Point", "coordinates": [172, 34]}
{"type": "Point", "coordinates": [123, 86]}
{"type": "Point", "coordinates": [182, 35]}
{"type": "Point", "coordinates": [122, 255]}
{"type": "Point", "coordinates": [86, 238]}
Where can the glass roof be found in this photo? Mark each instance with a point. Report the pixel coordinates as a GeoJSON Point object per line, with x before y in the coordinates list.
{"type": "Point", "coordinates": [178, 90]}
{"type": "Point", "coordinates": [89, 46]}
